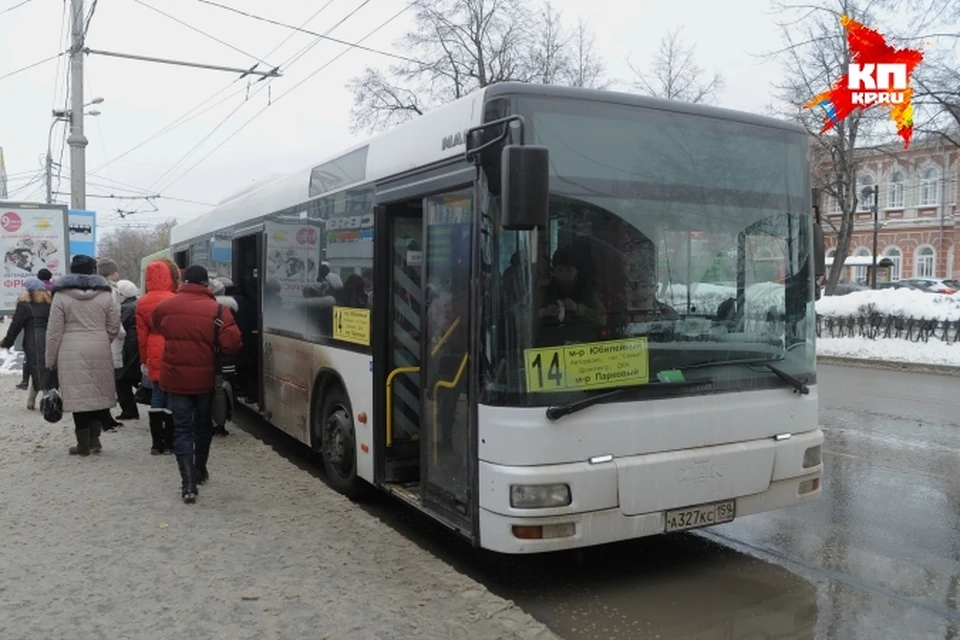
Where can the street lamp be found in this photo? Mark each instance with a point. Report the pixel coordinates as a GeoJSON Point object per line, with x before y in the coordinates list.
{"type": "Point", "coordinates": [866, 193]}
{"type": "Point", "coordinates": [62, 115]}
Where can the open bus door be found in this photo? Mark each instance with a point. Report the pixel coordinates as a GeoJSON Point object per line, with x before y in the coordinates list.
{"type": "Point", "coordinates": [247, 251]}
{"type": "Point", "coordinates": [424, 300]}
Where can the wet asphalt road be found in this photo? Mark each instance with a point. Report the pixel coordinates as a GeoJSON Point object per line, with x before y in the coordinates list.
{"type": "Point", "coordinates": [878, 556]}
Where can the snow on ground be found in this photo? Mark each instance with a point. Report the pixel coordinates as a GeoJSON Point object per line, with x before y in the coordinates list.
{"type": "Point", "coordinates": [891, 350]}
{"type": "Point", "coordinates": [900, 302]}
{"type": "Point", "coordinates": [903, 302]}
{"type": "Point", "coordinates": [102, 547]}
{"type": "Point", "coordinates": [11, 361]}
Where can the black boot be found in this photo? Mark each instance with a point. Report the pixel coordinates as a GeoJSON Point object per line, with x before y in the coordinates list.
{"type": "Point", "coordinates": [201, 455]}
{"type": "Point", "coordinates": [95, 429]}
{"type": "Point", "coordinates": [167, 433]}
{"type": "Point", "coordinates": [83, 443]}
{"type": "Point", "coordinates": [188, 475]}
{"type": "Point", "coordinates": [156, 433]}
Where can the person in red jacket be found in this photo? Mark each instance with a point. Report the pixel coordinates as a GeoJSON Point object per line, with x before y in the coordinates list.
{"type": "Point", "coordinates": [161, 281]}
{"type": "Point", "coordinates": [188, 322]}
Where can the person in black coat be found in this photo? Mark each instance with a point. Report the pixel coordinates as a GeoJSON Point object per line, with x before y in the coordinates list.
{"type": "Point", "coordinates": [31, 316]}
{"type": "Point", "coordinates": [128, 375]}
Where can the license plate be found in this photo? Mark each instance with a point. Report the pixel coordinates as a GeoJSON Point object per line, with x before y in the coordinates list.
{"type": "Point", "coordinates": [703, 515]}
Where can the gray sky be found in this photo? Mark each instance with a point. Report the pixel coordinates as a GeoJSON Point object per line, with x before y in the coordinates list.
{"type": "Point", "coordinates": [140, 99]}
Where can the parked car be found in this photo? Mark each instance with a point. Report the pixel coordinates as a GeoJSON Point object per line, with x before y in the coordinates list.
{"type": "Point", "coordinates": [934, 285]}
{"type": "Point", "coordinates": [844, 288]}
{"type": "Point", "coordinates": [898, 284]}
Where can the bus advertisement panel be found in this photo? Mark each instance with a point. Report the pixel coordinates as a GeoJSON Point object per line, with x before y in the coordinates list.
{"type": "Point", "coordinates": [34, 237]}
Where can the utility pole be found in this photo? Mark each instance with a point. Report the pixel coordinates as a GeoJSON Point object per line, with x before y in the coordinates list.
{"type": "Point", "coordinates": [77, 141]}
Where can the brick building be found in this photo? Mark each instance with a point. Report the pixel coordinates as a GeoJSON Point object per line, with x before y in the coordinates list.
{"type": "Point", "coordinates": [918, 210]}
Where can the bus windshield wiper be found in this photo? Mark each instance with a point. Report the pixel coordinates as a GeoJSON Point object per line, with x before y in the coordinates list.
{"type": "Point", "coordinates": [558, 411]}
{"type": "Point", "coordinates": [799, 386]}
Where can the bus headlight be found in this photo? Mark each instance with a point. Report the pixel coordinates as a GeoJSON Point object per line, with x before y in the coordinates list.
{"type": "Point", "coordinates": [539, 496]}
{"type": "Point", "coordinates": [811, 457]}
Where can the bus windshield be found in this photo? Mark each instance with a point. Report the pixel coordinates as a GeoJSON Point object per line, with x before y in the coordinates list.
{"type": "Point", "coordinates": [673, 239]}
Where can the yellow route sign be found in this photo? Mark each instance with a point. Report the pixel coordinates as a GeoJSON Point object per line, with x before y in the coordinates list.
{"type": "Point", "coordinates": [351, 325]}
{"type": "Point", "coordinates": [594, 365]}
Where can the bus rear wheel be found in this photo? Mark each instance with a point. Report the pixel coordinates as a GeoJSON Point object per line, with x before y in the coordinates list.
{"type": "Point", "coordinates": [339, 443]}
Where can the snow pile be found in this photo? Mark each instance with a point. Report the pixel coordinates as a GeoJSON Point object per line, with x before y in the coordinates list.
{"type": "Point", "coordinates": [891, 350]}
{"type": "Point", "coordinates": [707, 297]}
{"type": "Point", "coordinates": [907, 303]}
{"type": "Point", "coordinates": [10, 361]}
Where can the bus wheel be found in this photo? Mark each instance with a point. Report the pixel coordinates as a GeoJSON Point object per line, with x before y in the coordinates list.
{"type": "Point", "coordinates": [339, 443]}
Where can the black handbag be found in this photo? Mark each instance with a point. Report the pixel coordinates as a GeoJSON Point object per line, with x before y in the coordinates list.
{"type": "Point", "coordinates": [220, 403]}
{"type": "Point", "coordinates": [51, 406]}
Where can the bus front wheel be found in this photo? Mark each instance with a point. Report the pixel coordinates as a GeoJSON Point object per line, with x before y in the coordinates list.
{"type": "Point", "coordinates": [339, 443]}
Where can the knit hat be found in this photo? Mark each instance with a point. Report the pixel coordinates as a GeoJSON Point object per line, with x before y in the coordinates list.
{"type": "Point", "coordinates": [127, 289]}
{"type": "Point", "coordinates": [225, 281]}
{"type": "Point", "coordinates": [106, 267]}
{"type": "Point", "coordinates": [34, 284]}
{"type": "Point", "coordinates": [216, 287]}
{"type": "Point", "coordinates": [83, 265]}
{"type": "Point", "coordinates": [45, 275]}
{"type": "Point", "coordinates": [196, 274]}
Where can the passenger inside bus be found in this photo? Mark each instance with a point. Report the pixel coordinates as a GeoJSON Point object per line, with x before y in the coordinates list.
{"type": "Point", "coordinates": [572, 310]}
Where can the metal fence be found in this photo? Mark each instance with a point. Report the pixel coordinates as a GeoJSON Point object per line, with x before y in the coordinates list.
{"type": "Point", "coordinates": [876, 326]}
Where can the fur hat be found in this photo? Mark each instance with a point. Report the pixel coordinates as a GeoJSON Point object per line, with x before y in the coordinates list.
{"type": "Point", "coordinates": [127, 289]}
{"type": "Point", "coordinates": [34, 284]}
{"type": "Point", "coordinates": [83, 265]}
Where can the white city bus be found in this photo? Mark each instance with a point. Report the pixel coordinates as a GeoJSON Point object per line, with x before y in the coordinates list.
{"type": "Point", "coordinates": [677, 387]}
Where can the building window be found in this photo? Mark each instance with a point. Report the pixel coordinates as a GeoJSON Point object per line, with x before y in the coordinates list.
{"type": "Point", "coordinates": [925, 258]}
{"type": "Point", "coordinates": [860, 273]}
{"type": "Point", "coordinates": [895, 191]}
{"type": "Point", "coordinates": [833, 205]}
{"type": "Point", "coordinates": [865, 201]}
{"type": "Point", "coordinates": [896, 257]}
{"type": "Point", "coordinates": [928, 188]}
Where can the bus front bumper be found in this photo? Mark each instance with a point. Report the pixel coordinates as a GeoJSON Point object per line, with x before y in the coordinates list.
{"type": "Point", "coordinates": [599, 512]}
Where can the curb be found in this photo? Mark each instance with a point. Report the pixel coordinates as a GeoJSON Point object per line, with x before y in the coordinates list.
{"type": "Point", "coordinates": [890, 365]}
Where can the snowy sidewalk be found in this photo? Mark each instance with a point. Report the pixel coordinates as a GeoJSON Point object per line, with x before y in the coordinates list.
{"type": "Point", "coordinates": [102, 547]}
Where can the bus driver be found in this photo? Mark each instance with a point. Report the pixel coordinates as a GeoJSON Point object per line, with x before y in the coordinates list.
{"type": "Point", "coordinates": [573, 311]}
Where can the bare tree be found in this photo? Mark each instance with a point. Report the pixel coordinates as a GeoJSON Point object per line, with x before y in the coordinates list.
{"type": "Point", "coordinates": [815, 56]}
{"type": "Point", "coordinates": [585, 67]}
{"type": "Point", "coordinates": [458, 46]}
{"type": "Point", "coordinates": [127, 246]}
{"type": "Point", "coordinates": [675, 75]}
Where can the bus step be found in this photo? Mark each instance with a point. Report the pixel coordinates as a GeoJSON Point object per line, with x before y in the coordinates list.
{"type": "Point", "coordinates": [407, 491]}
{"type": "Point", "coordinates": [407, 470]}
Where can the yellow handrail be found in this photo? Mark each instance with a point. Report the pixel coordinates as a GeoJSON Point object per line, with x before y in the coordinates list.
{"type": "Point", "coordinates": [452, 384]}
{"type": "Point", "coordinates": [445, 337]}
{"type": "Point", "coordinates": [393, 374]}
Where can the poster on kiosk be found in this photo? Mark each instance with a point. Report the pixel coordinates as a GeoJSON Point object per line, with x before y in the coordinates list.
{"type": "Point", "coordinates": [32, 237]}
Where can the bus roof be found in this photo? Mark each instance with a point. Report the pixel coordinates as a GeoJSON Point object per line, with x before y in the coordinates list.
{"type": "Point", "coordinates": [418, 143]}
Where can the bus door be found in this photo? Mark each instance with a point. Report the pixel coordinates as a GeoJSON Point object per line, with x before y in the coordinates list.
{"type": "Point", "coordinates": [429, 424]}
{"type": "Point", "coordinates": [447, 423]}
{"type": "Point", "coordinates": [247, 253]}
{"type": "Point", "coordinates": [404, 299]}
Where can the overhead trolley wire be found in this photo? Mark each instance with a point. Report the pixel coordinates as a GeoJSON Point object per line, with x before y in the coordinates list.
{"type": "Point", "coordinates": [293, 88]}
{"type": "Point", "coordinates": [202, 32]}
{"type": "Point", "coordinates": [223, 121]}
{"type": "Point", "coordinates": [194, 113]}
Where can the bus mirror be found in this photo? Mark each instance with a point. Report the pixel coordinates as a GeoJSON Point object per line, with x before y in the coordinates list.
{"type": "Point", "coordinates": [525, 184]}
{"type": "Point", "coordinates": [819, 252]}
